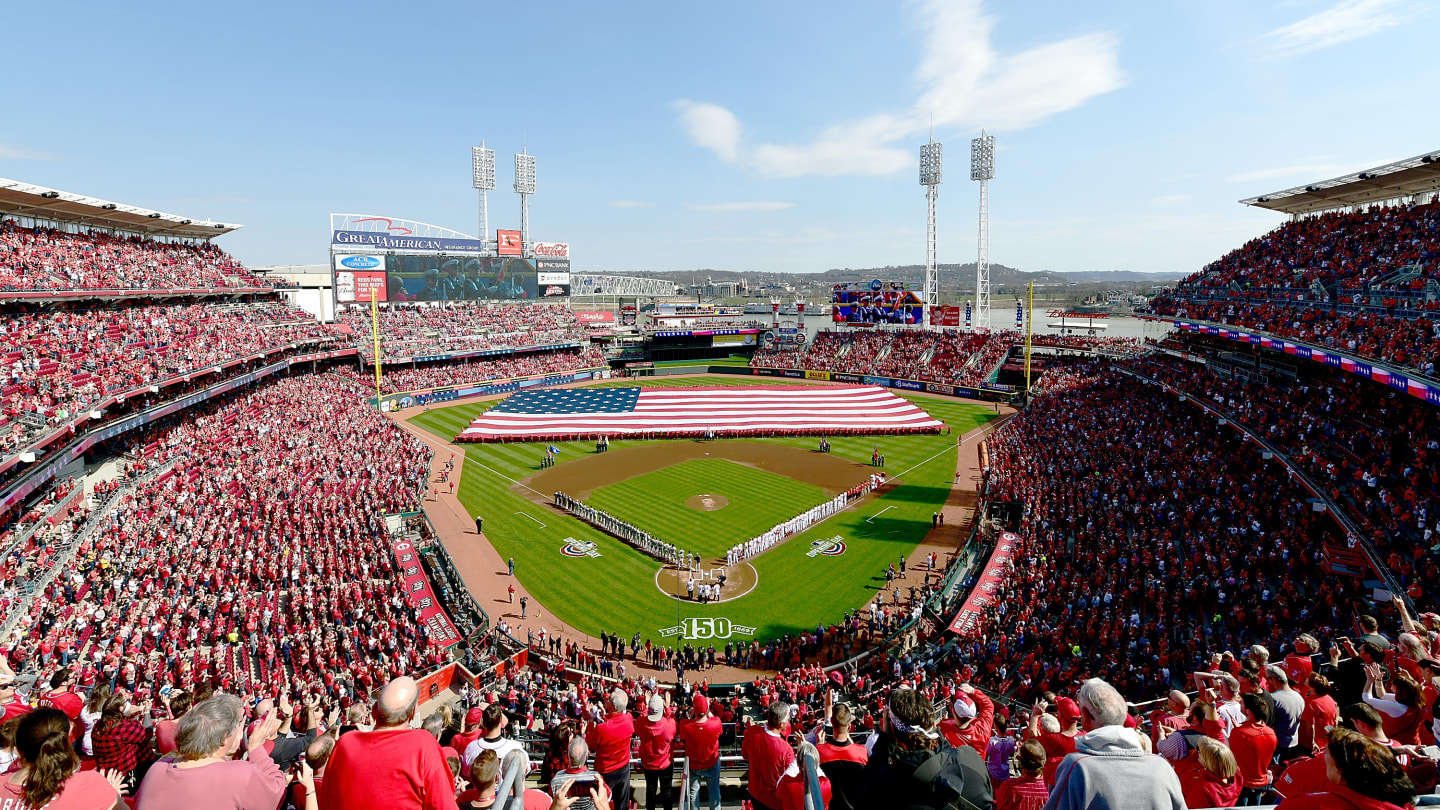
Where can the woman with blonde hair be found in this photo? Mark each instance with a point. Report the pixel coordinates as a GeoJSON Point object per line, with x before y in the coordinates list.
{"type": "Point", "coordinates": [1209, 777]}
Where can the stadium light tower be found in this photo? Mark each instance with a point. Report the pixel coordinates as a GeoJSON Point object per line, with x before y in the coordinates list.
{"type": "Point", "coordinates": [931, 155]}
{"type": "Point", "coordinates": [982, 168]}
{"type": "Point", "coordinates": [482, 168]}
{"type": "Point", "coordinates": [524, 186]}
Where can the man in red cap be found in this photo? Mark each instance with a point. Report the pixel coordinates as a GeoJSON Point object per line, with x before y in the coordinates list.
{"type": "Point", "coordinates": [473, 729]}
{"type": "Point", "coordinates": [1298, 665]}
{"type": "Point", "coordinates": [971, 720]}
{"type": "Point", "coordinates": [657, 733]}
{"type": "Point", "coordinates": [1058, 738]}
{"type": "Point", "coordinates": [701, 734]}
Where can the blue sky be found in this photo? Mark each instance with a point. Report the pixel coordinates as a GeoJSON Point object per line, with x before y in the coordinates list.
{"type": "Point", "coordinates": [673, 136]}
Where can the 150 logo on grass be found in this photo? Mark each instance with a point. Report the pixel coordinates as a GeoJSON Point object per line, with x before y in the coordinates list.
{"type": "Point", "coordinates": [830, 547]}
{"type": "Point", "coordinates": [702, 629]}
{"type": "Point", "coordinates": [579, 548]}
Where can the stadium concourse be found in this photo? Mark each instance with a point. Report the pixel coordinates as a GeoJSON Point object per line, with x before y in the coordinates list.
{"type": "Point", "coordinates": [1180, 575]}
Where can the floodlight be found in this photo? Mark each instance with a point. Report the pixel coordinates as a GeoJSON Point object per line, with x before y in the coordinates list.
{"type": "Point", "coordinates": [524, 174]}
{"type": "Point", "coordinates": [482, 168]}
{"type": "Point", "coordinates": [982, 158]}
{"type": "Point", "coordinates": [931, 156]}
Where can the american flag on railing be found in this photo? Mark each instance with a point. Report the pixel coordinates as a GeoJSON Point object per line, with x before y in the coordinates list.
{"type": "Point", "coordinates": [726, 411]}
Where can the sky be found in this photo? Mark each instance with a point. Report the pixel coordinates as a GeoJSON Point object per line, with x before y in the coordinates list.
{"type": "Point", "coordinates": [731, 136]}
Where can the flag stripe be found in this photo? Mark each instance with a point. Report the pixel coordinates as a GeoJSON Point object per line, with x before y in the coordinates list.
{"type": "Point", "coordinates": [695, 410]}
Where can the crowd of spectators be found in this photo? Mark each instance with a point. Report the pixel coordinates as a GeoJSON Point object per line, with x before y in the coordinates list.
{"type": "Point", "coordinates": [418, 330]}
{"type": "Point", "coordinates": [1354, 249]}
{"type": "Point", "coordinates": [256, 558]}
{"type": "Point", "coordinates": [1290, 282]}
{"type": "Point", "coordinates": [1145, 529]}
{"type": "Point", "coordinates": [1370, 446]}
{"type": "Point", "coordinates": [462, 372]}
{"type": "Point", "coordinates": [57, 364]}
{"type": "Point", "coordinates": [948, 356]}
{"type": "Point", "coordinates": [49, 259]}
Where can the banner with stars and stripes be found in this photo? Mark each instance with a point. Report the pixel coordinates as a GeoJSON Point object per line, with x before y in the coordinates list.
{"type": "Point", "coordinates": [555, 415]}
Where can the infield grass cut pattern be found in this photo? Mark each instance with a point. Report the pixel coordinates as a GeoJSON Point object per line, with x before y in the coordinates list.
{"type": "Point", "coordinates": [655, 502]}
{"type": "Point", "coordinates": [616, 592]}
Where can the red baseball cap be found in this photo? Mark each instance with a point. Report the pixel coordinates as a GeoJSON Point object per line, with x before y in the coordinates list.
{"type": "Point", "coordinates": [475, 715]}
{"type": "Point", "coordinates": [1067, 710]}
{"type": "Point", "coordinates": [701, 703]}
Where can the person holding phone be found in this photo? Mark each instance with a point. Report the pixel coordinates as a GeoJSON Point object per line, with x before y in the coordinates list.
{"type": "Point", "coordinates": [578, 787]}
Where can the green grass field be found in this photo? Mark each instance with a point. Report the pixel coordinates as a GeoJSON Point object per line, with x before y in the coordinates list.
{"type": "Point", "coordinates": [617, 593]}
{"type": "Point", "coordinates": [655, 502]}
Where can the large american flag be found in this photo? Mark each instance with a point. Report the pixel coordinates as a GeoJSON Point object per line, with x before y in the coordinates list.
{"type": "Point", "coordinates": [582, 412]}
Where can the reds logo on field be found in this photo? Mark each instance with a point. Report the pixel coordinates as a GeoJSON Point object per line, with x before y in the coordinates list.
{"type": "Point", "coordinates": [579, 548]}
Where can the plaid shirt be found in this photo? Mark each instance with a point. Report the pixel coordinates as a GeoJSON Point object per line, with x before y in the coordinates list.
{"type": "Point", "coordinates": [122, 746]}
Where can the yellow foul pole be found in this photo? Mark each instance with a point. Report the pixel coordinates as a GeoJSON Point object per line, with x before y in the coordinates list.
{"type": "Point", "coordinates": [375, 334]}
{"type": "Point", "coordinates": [1029, 332]}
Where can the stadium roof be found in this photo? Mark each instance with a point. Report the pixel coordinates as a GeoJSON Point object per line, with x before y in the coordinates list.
{"type": "Point", "coordinates": [1402, 178]}
{"type": "Point", "coordinates": [28, 200]}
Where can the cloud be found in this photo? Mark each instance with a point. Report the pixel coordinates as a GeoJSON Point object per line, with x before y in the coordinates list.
{"type": "Point", "coordinates": [1170, 199]}
{"type": "Point", "coordinates": [16, 153]}
{"type": "Point", "coordinates": [731, 207]}
{"type": "Point", "coordinates": [961, 83]}
{"type": "Point", "coordinates": [711, 127]}
{"type": "Point", "coordinates": [1343, 22]}
{"type": "Point", "coordinates": [1314, 171]}
{"type": "Point", "coordinates": [630, 204]}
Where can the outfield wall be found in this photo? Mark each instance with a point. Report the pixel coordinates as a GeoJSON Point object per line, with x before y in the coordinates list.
{"type": "Point", "coordinates": [451, 393]}
{"type": "Point", "coordinates": [964, 392]}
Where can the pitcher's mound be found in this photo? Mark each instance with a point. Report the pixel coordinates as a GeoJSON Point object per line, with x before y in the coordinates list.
{"type": "Point", "coordinates": [707, 503]}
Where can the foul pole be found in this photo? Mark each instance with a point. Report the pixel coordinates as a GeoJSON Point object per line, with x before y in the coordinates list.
{"type": "Point", "coordinates": [375, 335]}
{"type": "Point", "coordinates": [1029, 332]}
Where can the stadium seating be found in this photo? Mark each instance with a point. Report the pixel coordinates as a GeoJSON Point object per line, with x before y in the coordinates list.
{"type": "Point", "coordinates": [57, 364]}
{"type": "Point", "coordinates": [948, 356]}
{"type": "Point", "coordinates": [47, 259]}
{"type": "Point", "coordinates": [431, 375]}
{"type": "Point", "coordinates": [455, 328]}
{"type": "Point", "coordinates": [1366, 283]}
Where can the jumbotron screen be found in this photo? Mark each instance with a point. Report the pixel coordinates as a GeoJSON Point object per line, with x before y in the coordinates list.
{"type": "Point", "coordinates": [445, 278]}
{"type": "Point", "coordinates": [872, 302]}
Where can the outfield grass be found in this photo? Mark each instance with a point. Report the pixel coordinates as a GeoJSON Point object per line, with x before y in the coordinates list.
{"type": "Point", "coordinates": [617, 592]}
{"type": "Point", "coordinates": [655, 502]}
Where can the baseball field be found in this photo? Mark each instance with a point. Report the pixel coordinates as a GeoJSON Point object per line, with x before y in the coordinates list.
{"type": "Point", "coordinates": [706, 497]}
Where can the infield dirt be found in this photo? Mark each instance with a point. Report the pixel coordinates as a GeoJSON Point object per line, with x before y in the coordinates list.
{"type": "Point", "coordinates": [580, 477]}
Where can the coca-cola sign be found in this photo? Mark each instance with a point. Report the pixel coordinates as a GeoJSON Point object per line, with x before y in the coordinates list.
{"type": "Point", "coordinates": [551, 250]}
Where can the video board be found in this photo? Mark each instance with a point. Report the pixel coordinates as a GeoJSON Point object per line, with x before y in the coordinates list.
{"type": "Point", "coordinates": [877, 302]}
{"type": "Point", "coordinates": [395, 278]}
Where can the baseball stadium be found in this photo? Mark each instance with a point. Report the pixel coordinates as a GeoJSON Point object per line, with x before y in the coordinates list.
{"type": "Point", "coordinates": [455, 517]}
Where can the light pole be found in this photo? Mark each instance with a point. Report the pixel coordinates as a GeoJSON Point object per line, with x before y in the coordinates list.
{"type": "Point", "coordinates": [482, 169]}
{"type": "Point", "coordinates": [931, 155]}
{"type": "Point", "coordinates": [982, 168]}
{"type": "Point", "coordinates": [524, 186]}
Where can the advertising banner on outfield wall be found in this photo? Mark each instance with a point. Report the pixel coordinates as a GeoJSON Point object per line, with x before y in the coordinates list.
{"type": "Point", "coordinates": [792, 372]}
{"type": "Point", "coordinates": [764, 372]}
{"type": "Point", "coordinates": [817, 375]}
{"type": "Point", "coordinates": [982, 596]}
{"type": "Point", "coordinates": [885, 381]}
{"type": "Point", "coordinates": [909, 385]}
{"type": "Point", "coordinates": [595, 319]}
{"type": "Point", "coordinates": [437, 624]}
{"type": "Point", "coordinates": [854, 379]}
{"type": "Point", "coordinates": [940, 388]}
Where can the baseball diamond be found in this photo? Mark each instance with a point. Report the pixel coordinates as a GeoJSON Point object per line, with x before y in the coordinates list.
{"type": "Point", "coordinates": [766, 481]}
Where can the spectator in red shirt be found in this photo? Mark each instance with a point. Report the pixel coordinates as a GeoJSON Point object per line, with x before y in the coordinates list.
{"type": "Point", "coordinates": [1320, 713]}
{"type": "Point", "coordinates": [205, 773]}
{"type": "Point", "coordinates": [178, 703]}
{"type": "Point", "coordinates": [1027, 791]}
{"type": "Point", "coordinates": [842, 759]}
{"type": "Point", "coordinates": [657, 734]}
{"type": "Point", "coordinates": [1177, 708]}
{"type": "Point", "coordinates": [701, 735]}
{"type": "Point", "coordinates": [393, 767]}
{"type": "Point", "coordinates": [47, 773]}
{"type": "Point", "coordinates": [1057, 742]}
{"type": "Point", "coordinates": [972, 718]}
{"type": "Point", "coordinates": [1209, 776]}
{"type": "Point", "coordinates": [610, 740]}
{"type": "Point", "coordinates": [1253, 743]}
{"type": "Point", "coordinates": [10, 706]}
{"type": "Point", "coordinates": [768, 756]}
{"type": "Point", "coordinates": [62, 696]}
{"type": "Point", "coordinates": [1361, 774]}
